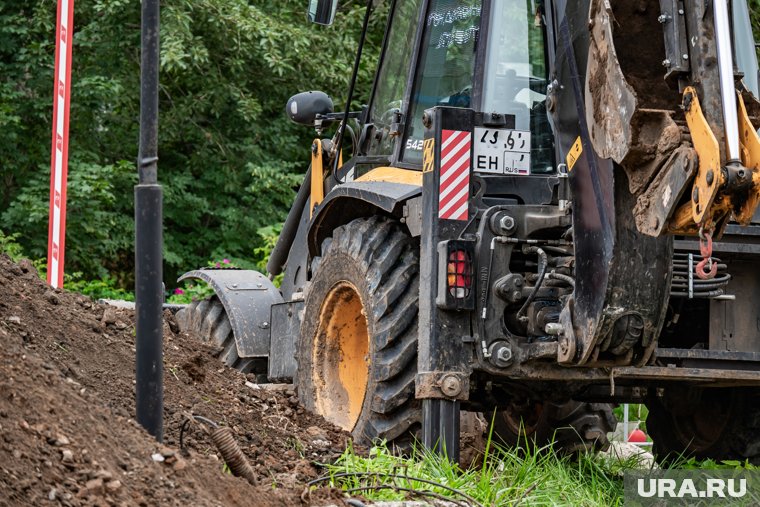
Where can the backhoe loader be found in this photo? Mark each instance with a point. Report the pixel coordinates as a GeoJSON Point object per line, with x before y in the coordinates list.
{"type": "Point", "coordinates": [545, 207]}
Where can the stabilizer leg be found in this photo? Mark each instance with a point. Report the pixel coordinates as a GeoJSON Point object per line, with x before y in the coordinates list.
{"type": "Point", "coordinates": [440, 427]}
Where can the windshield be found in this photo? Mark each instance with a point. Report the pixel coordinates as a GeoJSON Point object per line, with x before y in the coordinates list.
{"type": "Point", "coordinates": [515, 75]}
{"type": "Point", "coordinates": [447, 65]}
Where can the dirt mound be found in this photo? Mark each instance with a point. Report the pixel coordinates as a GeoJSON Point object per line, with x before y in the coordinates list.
{"type": "Point", "coordinates": [67, 403]}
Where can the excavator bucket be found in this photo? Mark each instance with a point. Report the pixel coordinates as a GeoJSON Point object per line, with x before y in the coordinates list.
{"type": "Point", "coordinates": [669, 116]}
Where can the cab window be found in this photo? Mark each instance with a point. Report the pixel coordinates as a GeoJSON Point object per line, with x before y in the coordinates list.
{"type": "Point", "coordinates": [515, 75]}
{"type": "Point", "coordinates": [447, 65]}
{"type": "Point", "coordinates": [392, 75]}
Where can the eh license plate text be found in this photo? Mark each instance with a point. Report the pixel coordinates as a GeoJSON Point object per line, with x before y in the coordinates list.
{"type": "Point", "coordinates": [501, 151]}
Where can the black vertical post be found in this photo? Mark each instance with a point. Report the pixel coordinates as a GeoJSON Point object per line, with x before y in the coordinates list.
{"type": "Point", "coordinates": [149, 236]}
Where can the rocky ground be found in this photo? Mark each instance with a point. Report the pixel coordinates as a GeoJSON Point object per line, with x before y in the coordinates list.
{"type": "Point", "coordinates": [67, 405]}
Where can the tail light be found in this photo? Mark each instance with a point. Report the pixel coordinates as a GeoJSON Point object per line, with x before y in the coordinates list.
{"type": "Point", "coordinates": [455, 280]}
{"type": "Point", "coordinates": [459, 274]}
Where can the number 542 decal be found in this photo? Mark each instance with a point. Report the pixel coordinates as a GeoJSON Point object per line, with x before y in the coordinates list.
{"type": "Point", "coordinates": [414, 144]}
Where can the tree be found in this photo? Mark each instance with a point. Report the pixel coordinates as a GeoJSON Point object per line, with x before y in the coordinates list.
{"type": "Point", "coordinates": [229, 159]}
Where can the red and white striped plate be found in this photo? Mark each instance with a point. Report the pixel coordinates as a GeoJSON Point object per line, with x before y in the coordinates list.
{"type": "Point", "coordinates": [455, 174]}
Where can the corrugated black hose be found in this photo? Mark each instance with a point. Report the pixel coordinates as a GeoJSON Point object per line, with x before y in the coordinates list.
{"type": "Point", "coordinates": [228, 448]}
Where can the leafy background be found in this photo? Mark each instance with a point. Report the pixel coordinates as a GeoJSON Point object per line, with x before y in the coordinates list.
{"type": "Point", "coordinates": [229, 159]}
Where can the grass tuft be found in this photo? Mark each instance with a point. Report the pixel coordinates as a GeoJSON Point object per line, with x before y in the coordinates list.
{"type": "Point", "coordinates": [537, 476]}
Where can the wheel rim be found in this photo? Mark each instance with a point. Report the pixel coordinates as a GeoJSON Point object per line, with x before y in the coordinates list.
{"type": "Point", "coordinates": [340, 355]}
{"type": "Point", "coordinates": [523, 419]}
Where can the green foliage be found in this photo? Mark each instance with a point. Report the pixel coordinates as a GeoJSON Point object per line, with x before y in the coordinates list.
{"type": "Point", "coordinates": [708, 464]}
{"type": "Point", "coordinates": [9, 246]}
{"type": "Point", "coordinates": [539, 477]}
{"type": "Point", "coordinates": [229, 159]}
{"type": "Point", "coordinates": [99, 224]}
{"type": "Point", "coordinates": [190, 291]}
{"type": "Point", "coordinates": [104, 288]}
{"type": "Point", "coordinates": [268, 236]}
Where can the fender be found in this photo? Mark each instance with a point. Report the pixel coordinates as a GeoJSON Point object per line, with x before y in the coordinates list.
{"type": "Point", "coordinates": [363, 198]}
{"type": "Point", "coordinates": [247, 297]}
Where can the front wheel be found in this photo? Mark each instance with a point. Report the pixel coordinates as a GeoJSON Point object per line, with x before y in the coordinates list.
{"type": "Point", "coordinates": [357, 353]}
{"type": "Point", "coordinates": [208, 321]}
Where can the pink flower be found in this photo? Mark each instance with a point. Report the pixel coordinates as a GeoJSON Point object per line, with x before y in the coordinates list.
{"type": "Point", "coordinates": [218, 265]}
{"type": "Point", "coordinates": [179, 291]}
{"type": "Point", "coordinates": [226, 261]}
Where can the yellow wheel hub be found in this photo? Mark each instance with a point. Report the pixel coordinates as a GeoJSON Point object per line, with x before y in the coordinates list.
{"type": "Point", "coordinates": [340, 356]}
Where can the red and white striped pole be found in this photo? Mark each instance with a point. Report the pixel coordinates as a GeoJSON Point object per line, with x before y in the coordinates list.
{"type": "Point", "coordinates": [59, 158]}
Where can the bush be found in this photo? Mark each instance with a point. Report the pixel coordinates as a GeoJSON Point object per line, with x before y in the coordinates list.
{"type": "Point", "coordinates": [10, 247]}
{"type": "Point", "coordinates": [104, 288]}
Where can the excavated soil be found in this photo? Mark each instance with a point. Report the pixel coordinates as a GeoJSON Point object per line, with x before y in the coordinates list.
{"type": "Point", "coordinates": [640, 49]}
{"type": "Point", "coordinates": [67, 405]}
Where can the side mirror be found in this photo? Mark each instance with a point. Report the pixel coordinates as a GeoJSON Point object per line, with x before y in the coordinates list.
{"type": "Point", "coordinates": [304, 107]}
{"type": "Point", "coordinates": [322, 12]}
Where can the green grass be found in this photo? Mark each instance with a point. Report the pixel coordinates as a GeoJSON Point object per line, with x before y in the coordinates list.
{"type": "Point", "coordinates": [537, 477]}
{"type": "Point", "coordinates": [501, 477]}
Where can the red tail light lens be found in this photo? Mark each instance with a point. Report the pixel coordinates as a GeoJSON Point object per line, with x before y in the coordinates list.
{"type": "Point", "coordinates": [459, 274]}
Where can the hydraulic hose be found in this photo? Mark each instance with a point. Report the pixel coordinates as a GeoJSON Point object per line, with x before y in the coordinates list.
{"type": "Point", "coordinates": [559, 276]}
{"type": "Point", "coordinates": [280, 252]}
{"type": "Point", "coordinates": [543, 262]}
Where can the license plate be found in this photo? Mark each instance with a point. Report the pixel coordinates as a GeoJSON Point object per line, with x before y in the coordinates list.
{"type": "Point", "coordinates": [501, 151]}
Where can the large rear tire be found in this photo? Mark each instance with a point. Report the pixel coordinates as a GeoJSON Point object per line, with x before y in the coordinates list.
{"type": "Point", "coordinates": [357, 353]}
{"type": "Point", "coordinates": [718, 423]}
{"type": "Point", "coordinates": [569, 427]}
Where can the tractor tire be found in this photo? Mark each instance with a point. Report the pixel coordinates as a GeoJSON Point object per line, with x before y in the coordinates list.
{"type": "Point", "coordinates": [718, 423]}
{"type": "Point", "coordinates": [568, 427]}
{"type": "Point", "coordinates": [208, 320]}
{"type": "Point", "coordinates": [357, 354]}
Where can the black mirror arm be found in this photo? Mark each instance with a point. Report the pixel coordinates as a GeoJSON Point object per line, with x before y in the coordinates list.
{"type": "Point", "coordinates": [338, 116]}
{"type": "Point", "coordinates": [346, 115]}
{"type": "Point", "coordinates": [321, 121]}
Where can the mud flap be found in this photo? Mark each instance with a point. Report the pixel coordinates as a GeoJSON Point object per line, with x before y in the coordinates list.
{"type": "Point", "coordinates": [247, 297]}
{"type": "Point", "coordinates": [286, 326]}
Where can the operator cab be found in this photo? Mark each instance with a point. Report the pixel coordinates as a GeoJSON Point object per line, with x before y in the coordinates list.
{"type": "Point", "coordinates": [489, 56]}
{"type": "Point", "coordinates": [486, 55]}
